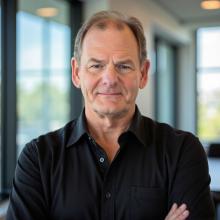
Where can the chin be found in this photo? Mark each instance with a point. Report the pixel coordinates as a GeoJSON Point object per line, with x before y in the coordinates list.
{"type": "Point", "coordinates": [111, 112]}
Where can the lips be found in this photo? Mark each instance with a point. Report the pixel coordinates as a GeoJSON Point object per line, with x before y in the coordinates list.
{"type": "Point", "coordinates": [107, 93]}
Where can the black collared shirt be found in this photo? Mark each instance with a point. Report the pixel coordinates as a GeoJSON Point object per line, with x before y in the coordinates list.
{"type": "Point", "coordinates": [65, 175]}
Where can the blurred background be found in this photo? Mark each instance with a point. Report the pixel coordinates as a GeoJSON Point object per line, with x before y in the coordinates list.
{"type": "Point", "coordinates": [36, 46]}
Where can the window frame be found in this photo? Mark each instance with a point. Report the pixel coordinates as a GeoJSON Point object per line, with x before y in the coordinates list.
{"type": "Point", "coordinates": [197, 70]}
{"type": "Point", "coordinates": [8, 113]}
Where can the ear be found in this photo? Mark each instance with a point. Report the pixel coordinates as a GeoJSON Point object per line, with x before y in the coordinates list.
{"type": "Point", "coordinates": [75, 73]}
{"type": "Point", "coordinates": [144, 74]}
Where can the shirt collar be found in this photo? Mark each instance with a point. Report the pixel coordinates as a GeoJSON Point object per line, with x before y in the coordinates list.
{"type": "Point", "coordinates": [136, 127]}
{"type": "Point", "coordinates": [79, 129]}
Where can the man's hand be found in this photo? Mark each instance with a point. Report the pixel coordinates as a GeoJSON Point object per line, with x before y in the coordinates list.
{"type": "Point", "coordinates": [177, 213]}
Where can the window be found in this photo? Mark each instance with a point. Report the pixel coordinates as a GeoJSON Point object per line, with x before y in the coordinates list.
{"type": "Point", "coordinates": [43, 69]}
{"type": "Point", "coordinates": [208, 84]}
{"type": "Point", "coordinates": [165, 81]}
{"type": "Point", "coordinates": [35, 76]}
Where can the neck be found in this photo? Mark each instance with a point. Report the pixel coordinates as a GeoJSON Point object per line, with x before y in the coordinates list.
{"type": "Point", "coordinates": [106, 130]}
{"type": "Point", "coordinates": [105, 125]}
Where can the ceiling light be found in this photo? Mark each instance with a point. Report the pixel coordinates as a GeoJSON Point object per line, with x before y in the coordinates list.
{"type": "Point", "coordinates": [210, 4]}
{"type": "Point", "coordinates": [47, 12]}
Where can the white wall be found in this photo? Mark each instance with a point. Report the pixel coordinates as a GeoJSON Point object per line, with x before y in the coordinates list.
{"type": "Point", "coordinates": [93, 6]}
{"type": "Point", "coordinates": [156, 20]}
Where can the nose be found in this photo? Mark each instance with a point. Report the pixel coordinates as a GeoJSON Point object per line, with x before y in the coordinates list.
{"type": "Point", "coordinates": [110, 76]}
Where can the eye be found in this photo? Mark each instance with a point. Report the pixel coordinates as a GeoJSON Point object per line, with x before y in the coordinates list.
{"type": "Point", "coordinates": [123, 68]}
{"type": "Point", "coordinates": [94, 68]}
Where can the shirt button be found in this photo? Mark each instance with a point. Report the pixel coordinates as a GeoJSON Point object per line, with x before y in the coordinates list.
{"type": "Point", "coordinates": [108, 195]}
{"type": "Point", "coordinates": [101, 159]}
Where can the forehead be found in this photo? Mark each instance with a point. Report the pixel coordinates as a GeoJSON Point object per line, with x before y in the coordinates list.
{"type": "Point", "coordinates": [110, 35]}
{"type": "Point", "coordinates": [114, 25]}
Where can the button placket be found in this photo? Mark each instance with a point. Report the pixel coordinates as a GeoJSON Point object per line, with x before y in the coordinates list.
{"type": "Point", "coordinates": [108, 195]}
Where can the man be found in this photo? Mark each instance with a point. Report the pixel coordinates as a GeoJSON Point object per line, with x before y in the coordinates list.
{"type": "Point", "coordinates": [111, 163]}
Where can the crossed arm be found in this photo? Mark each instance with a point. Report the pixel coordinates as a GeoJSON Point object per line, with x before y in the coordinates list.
{"type": "Point", "coordinates": [195, 187]}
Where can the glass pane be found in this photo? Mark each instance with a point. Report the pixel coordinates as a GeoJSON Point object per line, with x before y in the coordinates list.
{"type": "Point", "coordinates": [165, 83]}
{"type": "Point", "coordinates": [208, 84]}
{"type": "Point", "coordinates": [43, 68]}
{"type": "Point", "coordinates": [209, 105]}
{"type": "Point", "coordinates": [208, 47]}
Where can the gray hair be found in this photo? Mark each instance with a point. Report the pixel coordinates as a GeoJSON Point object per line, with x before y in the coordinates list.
{"type": "Point", "coordinates": [133, 23]}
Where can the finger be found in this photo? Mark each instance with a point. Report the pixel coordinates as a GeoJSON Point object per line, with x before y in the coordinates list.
{"type": "Point", "coordinates": [184, 215]}
{"type": "Point", "coordinates": [172, 210]}
{"type": "Point", "coordinates": [178, 212]}
{"type": "Point", "coordinates": [181, 209]}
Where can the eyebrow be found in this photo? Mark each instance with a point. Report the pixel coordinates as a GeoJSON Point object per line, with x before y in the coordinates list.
{"type": "Point", "coordinates": [126, 61]}
{"type": "Point", "coordinates": [95, 60]}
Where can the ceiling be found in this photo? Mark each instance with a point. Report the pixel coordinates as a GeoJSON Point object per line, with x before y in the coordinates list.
{"type": "Point", "coordinates": [189, 12]}
{"type": "Point", "coordinates": [31, 7]}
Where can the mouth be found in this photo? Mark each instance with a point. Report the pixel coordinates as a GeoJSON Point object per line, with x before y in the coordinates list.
{"type": "Point", "coordinates": [111, 94]}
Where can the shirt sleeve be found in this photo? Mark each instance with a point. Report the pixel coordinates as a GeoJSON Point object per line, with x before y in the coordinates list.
{"type": "Point", "coordinates": [191, 181]}
{"type": "Point", "coordinates": [27, 198]}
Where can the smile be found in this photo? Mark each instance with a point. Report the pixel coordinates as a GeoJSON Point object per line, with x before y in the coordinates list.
{"type": "Point", "coordinates": [109, 94]}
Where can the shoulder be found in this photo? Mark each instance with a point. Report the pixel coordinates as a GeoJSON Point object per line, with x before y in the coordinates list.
{"type": "Point", "coordinates": [178, 149]}
{"type": "Point", "coordinates": [50, 144]}
{"type": "Point", "coordinates": [172, 140]}
{"type": "Point", "coordinates": [165, 131]}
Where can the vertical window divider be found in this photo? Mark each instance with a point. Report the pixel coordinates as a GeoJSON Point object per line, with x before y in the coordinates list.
{"type": "Point", "coordinates": [8, 132]}
{"type": "Point", "coordinates": [76, 100]}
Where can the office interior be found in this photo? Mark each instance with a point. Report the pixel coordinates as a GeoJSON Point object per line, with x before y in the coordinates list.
{"type": "Point", "coordinates": [37, 95]}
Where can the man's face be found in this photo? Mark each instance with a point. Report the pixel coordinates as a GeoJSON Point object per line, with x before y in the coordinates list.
{"type": "Point", "coordinates": [109, 73]}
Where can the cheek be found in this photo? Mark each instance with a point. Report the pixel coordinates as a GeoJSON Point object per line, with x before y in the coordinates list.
{"type": "Point", "coordinates": [132, 85]}
{"type": "Point", "coordinates": [88, 85]}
